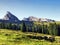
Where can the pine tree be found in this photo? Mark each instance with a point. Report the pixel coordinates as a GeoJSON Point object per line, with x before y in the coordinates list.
{"type": "Point", "coordinates": [24, 27]}
{"type": "Point", "coordinates": [42, 27]}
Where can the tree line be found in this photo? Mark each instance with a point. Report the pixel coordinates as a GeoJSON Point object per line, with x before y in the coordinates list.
{"type": "Point", "coordinates": [50, 28]}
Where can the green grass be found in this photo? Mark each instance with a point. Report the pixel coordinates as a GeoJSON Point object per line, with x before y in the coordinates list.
{"type": "Point", "coordinates": [9, 37]}
{"type": "Point", "coordinates": [46, 23]}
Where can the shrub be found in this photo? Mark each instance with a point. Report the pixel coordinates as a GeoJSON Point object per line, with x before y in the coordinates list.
{"type": "Point", "coordinates": [45, 37]}
{"type": "Point", "coordinates": [35, 37]}
{"type": "Point", "coordinates": [17, 38]}
{"type": "Point", "coordinates": [51, 39]}
{"type": "Point", "coordinates": [7, 34]}
{"type": "Point", "coordinates": [40, 37]}
{"type": "Point", "coordinates": [29, 36]}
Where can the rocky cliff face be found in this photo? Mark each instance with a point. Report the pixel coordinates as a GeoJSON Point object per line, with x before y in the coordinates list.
{"type": "Point", "coordinates": [9, 16]}
{"type": "Point", "coordinates": [31, 18]}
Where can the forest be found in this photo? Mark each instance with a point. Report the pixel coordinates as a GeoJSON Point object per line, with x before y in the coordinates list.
{"type": "Point", "coordinates": [52, 28]}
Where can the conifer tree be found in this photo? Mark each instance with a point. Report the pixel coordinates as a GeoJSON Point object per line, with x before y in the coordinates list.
{"type": "Point", "coordinates": [23, 27]}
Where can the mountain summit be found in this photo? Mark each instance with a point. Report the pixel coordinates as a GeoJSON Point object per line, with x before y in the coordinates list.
{"type": "Point", "coordinates": [9, 16]}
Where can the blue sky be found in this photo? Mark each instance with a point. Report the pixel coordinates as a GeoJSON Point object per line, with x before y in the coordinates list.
{"type": "Point", "coordinates": [38, 8]}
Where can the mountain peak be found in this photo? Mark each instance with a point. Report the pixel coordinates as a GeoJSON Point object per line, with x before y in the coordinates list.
{"type": "Point", "coordinates": [9, 16]}
{"type": "Point", "coordinates": [8, 12]}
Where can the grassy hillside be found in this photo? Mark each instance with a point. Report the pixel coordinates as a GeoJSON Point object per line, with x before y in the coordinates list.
{"type": "Point", "coordinates": [46, 23]}
{"type": "Point", "coordinates": [9, 37]}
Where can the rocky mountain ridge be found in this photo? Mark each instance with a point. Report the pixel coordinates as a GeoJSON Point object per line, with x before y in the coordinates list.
{"type": "Point", "coordinates": [9, 17]}
{"type": "Point", "coordinates": [31, 18]}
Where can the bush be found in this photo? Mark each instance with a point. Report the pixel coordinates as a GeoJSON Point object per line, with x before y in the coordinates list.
{"type": "Point", "coordinates": [18, 38]}
{"type": "Point", "coordinates": [40, 37]}
{"type": "Point", "coordinates": [35, 37]}
{"type": "Point", "coordinates": [51, 39]}
{"type": "Point", "coordinates": [7, 34]}
{"type": "Point", "coordinates": [45, 37]}
{"type": "Point", "coordinates": [29, 36]}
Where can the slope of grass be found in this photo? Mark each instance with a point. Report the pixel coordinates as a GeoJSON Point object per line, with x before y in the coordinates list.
{"type": "Point", "coordinates": [9, 37]}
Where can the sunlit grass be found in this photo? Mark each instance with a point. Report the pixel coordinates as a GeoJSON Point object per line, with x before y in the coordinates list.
{"type": "Point", "coordinates": [10, 37]}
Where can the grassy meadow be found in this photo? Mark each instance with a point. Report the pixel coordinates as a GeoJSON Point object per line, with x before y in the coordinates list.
{"type": "Point", "coordinates": [10, 37]}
